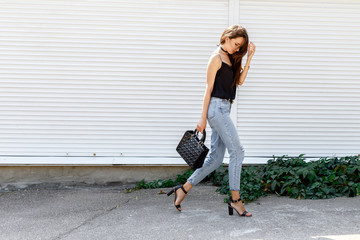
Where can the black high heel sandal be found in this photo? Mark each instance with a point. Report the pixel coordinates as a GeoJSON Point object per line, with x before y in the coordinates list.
{"type": "Point", "coordinates": [174, 190]}
{"type": "Point", "coordinates": [231, 208]}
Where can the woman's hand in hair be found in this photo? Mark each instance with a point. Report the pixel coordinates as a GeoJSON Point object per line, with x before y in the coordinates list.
{"type": "Point", "coordinates": [201, 125]}
{"type": "Point", "coordinates": [251, 50]}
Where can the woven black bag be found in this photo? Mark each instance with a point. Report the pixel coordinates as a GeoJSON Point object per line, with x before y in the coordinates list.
{"type": "Point", "coordinates": [192, 149]}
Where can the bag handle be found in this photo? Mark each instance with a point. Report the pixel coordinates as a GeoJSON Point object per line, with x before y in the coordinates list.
{"type": "Point", "coordinates": [203, 136]}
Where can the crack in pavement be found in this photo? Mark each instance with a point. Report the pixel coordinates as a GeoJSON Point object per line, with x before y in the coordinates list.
{"type": "Point", "coordinates": [6, 193]}
{"type": "Point", "coordinates": [107, 211]}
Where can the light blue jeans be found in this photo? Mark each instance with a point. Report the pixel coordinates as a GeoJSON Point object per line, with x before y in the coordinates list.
{"type": "Point", "coordinates": [224, 135]}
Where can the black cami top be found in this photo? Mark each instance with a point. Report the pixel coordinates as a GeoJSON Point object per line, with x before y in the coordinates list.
{"type": "Point", "coordinates": [224, 83]}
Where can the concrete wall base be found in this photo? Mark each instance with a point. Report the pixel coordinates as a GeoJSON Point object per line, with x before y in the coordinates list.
{"type": "Point", "coordinates": [22, 176]}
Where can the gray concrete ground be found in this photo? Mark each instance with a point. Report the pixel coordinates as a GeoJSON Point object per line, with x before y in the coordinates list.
{"type": "Point", "coordinates": [90, 212]}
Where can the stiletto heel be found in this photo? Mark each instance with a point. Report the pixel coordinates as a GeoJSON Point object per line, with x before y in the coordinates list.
{"type": "Point", "coordinates": [231, 208]}
{"type": "Point", "coordinates": [174, 190]}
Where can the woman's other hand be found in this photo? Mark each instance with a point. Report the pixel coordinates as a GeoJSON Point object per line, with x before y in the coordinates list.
{"type": "Point", "coordinates": [201, 125]}
{"type": "Point", "coordinates": [251, 50]}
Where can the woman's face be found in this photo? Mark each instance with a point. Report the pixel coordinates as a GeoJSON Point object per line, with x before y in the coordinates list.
{"type": "Point", "coordinates": [233, 45]}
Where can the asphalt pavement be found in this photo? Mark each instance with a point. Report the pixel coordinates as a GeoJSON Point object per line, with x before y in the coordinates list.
{"type": "Point", "coordinates": [108, 212]}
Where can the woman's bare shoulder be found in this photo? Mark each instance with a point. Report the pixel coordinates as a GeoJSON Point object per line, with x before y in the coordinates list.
{"type": "Point", "coordinates": [215, 58]}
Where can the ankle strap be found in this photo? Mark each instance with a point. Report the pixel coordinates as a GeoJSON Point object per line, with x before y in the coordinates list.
{"type": "Point", "coordinates": [183, 189]}
{"type": "Point", "coordinates": [235, 201]}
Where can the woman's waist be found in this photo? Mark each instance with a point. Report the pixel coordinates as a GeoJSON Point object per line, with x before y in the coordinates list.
{"type": "Point", "coordinates": [222, 99]}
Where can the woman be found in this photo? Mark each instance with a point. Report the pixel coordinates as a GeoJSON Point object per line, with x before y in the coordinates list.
{"type": "Point", "coordinates": [224, 74]}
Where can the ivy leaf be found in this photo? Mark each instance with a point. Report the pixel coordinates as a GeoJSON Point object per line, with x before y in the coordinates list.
{"type": "Point", "coordinates": [311, 175]}
{"type": "Point", "coordinates": [273, 185]}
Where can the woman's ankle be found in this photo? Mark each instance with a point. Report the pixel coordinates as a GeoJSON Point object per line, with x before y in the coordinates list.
{"type": "Point", "coordinates": [235, 195]}
{"type": "Point", "coordinates": [187, 186]}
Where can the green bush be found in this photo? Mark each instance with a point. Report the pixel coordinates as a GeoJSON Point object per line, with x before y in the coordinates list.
{"type": "Point", "coordinates": [285, 176]}
{"type": "Point", "coordinates": [324, 178]}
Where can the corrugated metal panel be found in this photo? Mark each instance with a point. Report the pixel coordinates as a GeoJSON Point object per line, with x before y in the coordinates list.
{"type": "Point", "coordinates": [119, 80]}
{"type": "Point", "coordinates": [302, 93]}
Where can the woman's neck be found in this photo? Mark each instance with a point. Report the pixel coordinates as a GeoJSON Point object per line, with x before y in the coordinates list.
{"type": "Point", "coordinates": [222, 49]}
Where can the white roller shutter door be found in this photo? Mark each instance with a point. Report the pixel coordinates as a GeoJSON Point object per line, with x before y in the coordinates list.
{"type": "Point", "coordinates": [302, 94]}
{"type": "Point", "coordinates": [102, 82]}
{"type": "Point", "coordinates": [118, 82]}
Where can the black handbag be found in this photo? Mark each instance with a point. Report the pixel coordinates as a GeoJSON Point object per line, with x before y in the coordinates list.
{"type": "Point", "coordinates": [192, 149]}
